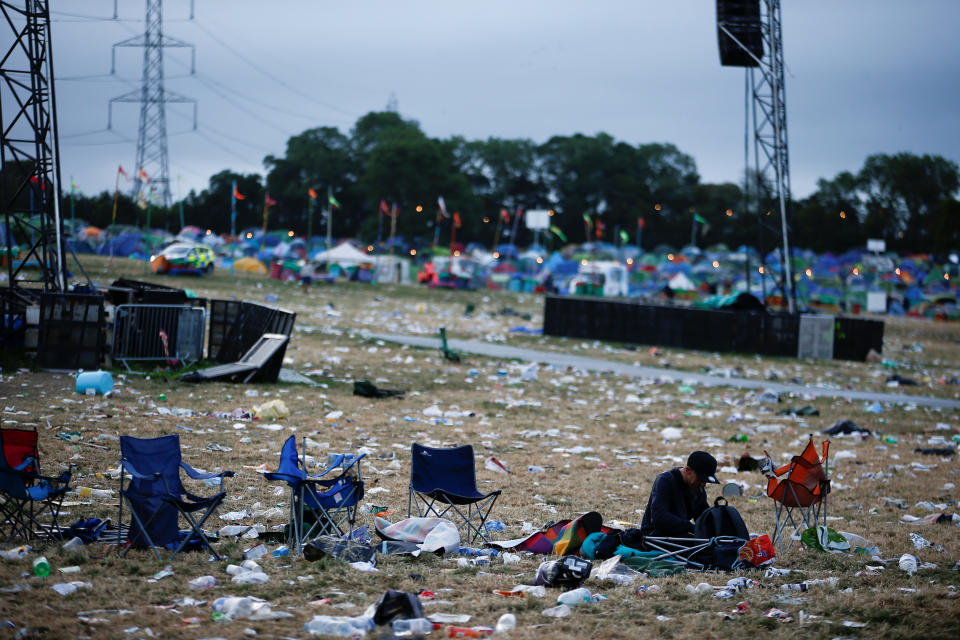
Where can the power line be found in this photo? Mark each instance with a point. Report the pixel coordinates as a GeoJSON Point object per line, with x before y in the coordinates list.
{"type": "Point", "coordinates": [270, 75]}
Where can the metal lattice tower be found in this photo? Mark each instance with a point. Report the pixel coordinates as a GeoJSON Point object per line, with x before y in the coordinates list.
{"type": "Point", "coordinates": [152, 156]}
{"type": "Point", "coordinates": [769, 116]}
{"type": "Point", "coordinates": [29, 150]}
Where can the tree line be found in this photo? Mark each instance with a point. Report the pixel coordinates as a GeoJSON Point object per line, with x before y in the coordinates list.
{"type": "Point", "coordinates": [598, 188]}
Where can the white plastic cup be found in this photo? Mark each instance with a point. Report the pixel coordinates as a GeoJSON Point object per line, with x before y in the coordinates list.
{"type": "Point", "coordinates": [507, 622]}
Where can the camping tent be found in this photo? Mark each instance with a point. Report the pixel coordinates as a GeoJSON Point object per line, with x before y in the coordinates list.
{"type": "Point", "coordinates": [394, 269]}
{"type": "Point", "coordinates": [344, 254]}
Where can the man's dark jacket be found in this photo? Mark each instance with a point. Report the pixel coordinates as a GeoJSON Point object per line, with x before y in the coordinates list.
{"type": "Point", "coordinates": [672, 507]}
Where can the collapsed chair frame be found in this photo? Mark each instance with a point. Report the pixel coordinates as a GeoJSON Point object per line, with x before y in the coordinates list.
{"type": "Point", "coordinates": [29, 495]}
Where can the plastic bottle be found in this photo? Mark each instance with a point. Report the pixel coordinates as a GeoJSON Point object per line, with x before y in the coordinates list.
{"type": "Point", "coordinates": [799, 586]}
{"type": "Point", "coordinates": [507, 622]}
{"type": "Point", "coordinates": [468, 632]}
{"type": "Point", "coordinates": [281, 551]}
{"type": "Point", "coordinates": [574, 597]}
{"type": "Point", "coordinates": [93, 382]}
{"type": "Point", "coordinates": [340, 626]}
{"type": "Point", "coordinates": [41, 567]}
{"type": "Point", "coordinates": [87, 492]}
{"type": "Point", "coordinates": [233, 607]}
{"type": "Point", "coordinates": [203, 582]}
{"type": "Point", "coordinates": [415, 626]}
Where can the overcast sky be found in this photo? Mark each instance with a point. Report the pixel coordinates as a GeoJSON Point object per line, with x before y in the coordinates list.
{"type": "Point", "coordinates": [864, 76]}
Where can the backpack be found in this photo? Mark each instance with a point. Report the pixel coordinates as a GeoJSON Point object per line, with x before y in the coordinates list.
{"type": "Point", "coordinates": [720, 520]}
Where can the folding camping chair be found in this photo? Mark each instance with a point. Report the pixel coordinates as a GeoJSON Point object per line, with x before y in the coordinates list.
{"type": "Point", "coordinates": [320, 504]}
{"type": "Point", "coordinates": [799, 491]}
{"type": "Point", "coordinates": [27, 496]}
{"type": "Point", "coordinates": [156, 496]}
{"type": "Point", "coordinates": [261, 363]}
{"type": "Point", "coordinates": [444, 480]}
{"type": "Point", "coordinates": [721, 552]}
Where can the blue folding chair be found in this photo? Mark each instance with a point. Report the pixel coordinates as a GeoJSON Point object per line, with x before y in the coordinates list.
{"type": "Point", "coordinates": [444, 480]}
{"type": "Point", "coordinates": [29, 499]}
{"type": "Point", "coordinates": [157, 498]}
{"type": "Point", "coordinates": [321, 504]}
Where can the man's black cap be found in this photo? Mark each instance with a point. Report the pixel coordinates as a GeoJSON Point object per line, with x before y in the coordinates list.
{"type": "Point", "coordinates": [704, 465]}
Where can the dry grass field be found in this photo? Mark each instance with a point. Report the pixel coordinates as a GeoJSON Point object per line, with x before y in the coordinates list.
{"type": "Point", "coordinates": [598, 436]}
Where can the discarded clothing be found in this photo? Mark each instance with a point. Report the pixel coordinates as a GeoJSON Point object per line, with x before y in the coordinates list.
{"type": "Point", "coordinates": [845, 427]}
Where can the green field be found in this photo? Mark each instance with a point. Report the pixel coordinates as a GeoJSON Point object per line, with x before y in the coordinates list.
{"type": "Point", "coordinates": [598, 436]}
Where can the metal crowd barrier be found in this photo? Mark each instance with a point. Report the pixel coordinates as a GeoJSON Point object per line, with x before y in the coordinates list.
{"type": "Point", "coordinates": [154, 332]}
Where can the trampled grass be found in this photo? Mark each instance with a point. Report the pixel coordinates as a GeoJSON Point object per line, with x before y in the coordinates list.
{"type": "Point", "coordinates": [599, 438]}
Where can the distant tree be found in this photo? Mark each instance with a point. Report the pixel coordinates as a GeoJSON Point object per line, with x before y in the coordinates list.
{"type": "Point", "coordinates": [830, 219]}
{"type": "Point", "coordinates": [902, 192]}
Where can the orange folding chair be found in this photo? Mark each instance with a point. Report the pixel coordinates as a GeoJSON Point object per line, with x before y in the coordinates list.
{"type": "Point", "coordinates": [799, 491]}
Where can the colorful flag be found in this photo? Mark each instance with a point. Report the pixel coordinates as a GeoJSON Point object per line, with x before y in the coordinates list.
{"type": "Point", "coordinates": [237, 194]}
{"type": "Point", "coordinates": [333, 201]}
{"type": "Point", "coordinates": [505, 215]}
{"type": "Point", "coordinates": [586, 218]}
{"type": "Point", "coordinates": [384, 208]}
{"type": "Point", "coordinates": [556, 231]}
{"type": "Point", "coordinates": [269, 201]}
{"type": "Point", "coordinates": [456, 220]}
{"type": "Point", "coordinates": [641, 223]}
{"type": "Point", "coordinates": [143, 175]}
{"type": "Point", "coordinates": [312, 193]}
{"type": "Point", "coordinates": [122, 172]}
{"type": "Point", "coordinates": [600, 227]}
{"type": "Point", "coordinates": [443, 206]}
{"type": "Point", "coordinates": [699, 218]}
{"type": "Point", "coordinates": [624, 237]}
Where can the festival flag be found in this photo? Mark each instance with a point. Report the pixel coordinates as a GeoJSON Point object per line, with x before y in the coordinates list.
{"type": "Point", "coordinates": [456, 220]}
{"type": "Point", "coordinates": [705, 225]}
{"type": "Point", "coordinates": [624, 237]}
{"type": "Point", "coordinates": [35, 180]}
{"type": "Point", "coordinates": [143, 175]}
{"type": "Point", "coordinates": [443, 207]}
{"type": "Point", "coordinates": [556, 231]}
{"type": "Point", "coordinates": [641, 223]}
{"type": "Point", "coordinates": [237, 194]}
{"type": "Point", "coordinates": [587, 219]}
{"type": "Point", "coordinates": [269, 201]}
{"type": "Point", "coordinates": [600, 228]}
{"type": "Point", "coordinates": [333, 201]}
{"type": "Point", "coordinates": [505, 215]}
{"type": "Point", "coordinates": [384, 209]}
{"type": "Point", "coordinates": [122, 172]}
{"type": "Point", "coordinates": [395, 212]}
{"type": "Point", "coordinates": [312, 193]}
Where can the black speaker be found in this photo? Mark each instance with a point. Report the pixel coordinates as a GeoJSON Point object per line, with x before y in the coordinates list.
{"type": "Point", "coordinates": [742, 19]}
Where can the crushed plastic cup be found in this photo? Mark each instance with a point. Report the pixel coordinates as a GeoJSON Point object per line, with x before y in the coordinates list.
{"type": "Point", "coordinates": [559, 611]}
{"type": "Point", "coordinates": [908, 563]}
{"type": "Point", "coordinates": [411, 626]}
{"type": "Point", "coordinates": [256, 551]}
{"type": "Point", "coordinates": [74, 544]}
{"type": "Point", "coordinates": [68, 588]}
{"type": "Point", "coordinates": [233, 607]}
{"type": "Point", "coordinates": [202, 582]}
{"type": "Point", "coordinates": [506, 622]}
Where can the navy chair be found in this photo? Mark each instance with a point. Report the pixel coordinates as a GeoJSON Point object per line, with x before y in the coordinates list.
{"type": "Point", "coordinates": [444, 481]}
{"type": "Point", "coordinates": [157, 498]}
{"type": "Point", "coordinates": [323, 504]}
{"type": "Point", "coordinates": [30, 502]}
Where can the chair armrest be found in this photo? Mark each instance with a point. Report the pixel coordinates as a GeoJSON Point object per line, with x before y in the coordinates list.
{"type": "Point", "coordinates": [196, 475]}
{"type": "Point", "coordinates": [129, 468]}
{"type": "Point", "coordinates": [26, 463]}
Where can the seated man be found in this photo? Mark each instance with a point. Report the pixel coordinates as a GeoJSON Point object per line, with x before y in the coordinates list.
{"type": "Point", "coordinates": [678, 498]}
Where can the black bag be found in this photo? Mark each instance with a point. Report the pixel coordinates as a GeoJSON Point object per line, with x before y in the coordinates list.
{"type": "Point", "coordinates": [342, 549]}
{"type": "Point", "coordinates": [720, 521]}
{"type": "Point", "coordinates": [397, 604]}
{"type": "Point", "coordinates": [567, 573]}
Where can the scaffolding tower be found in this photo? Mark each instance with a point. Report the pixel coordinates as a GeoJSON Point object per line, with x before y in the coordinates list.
{"type": "Point", "coordinates": [29, 152]}
{"type": "Point", "coordinates": [750, 36]}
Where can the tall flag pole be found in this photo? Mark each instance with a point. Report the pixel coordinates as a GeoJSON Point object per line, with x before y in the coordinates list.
{"type": "Point", "coordinates": [331, 205]}
{"type": "Point", "coordinates": [384, 209]}
{"type": "Point", "coordinates": [234, 196]}
{"type": "Point", "coordinates": [516, 221]}
{"type": "Point", "coordinates": [641, 223]}
{"type": "Point", "coordinates": [503, 218]}
{"type": "Point", "coordinates": [441, 213]}
{"type": "Point", "coordinates": [311, 205]}
{"type": "Point", "coordinates": [587, 223]}
{"type": "Point", "coordinates": [393, 226]}
{"type": "Point", "coordinates": [73, 188]}
{"type": "Point", "coordinates": [453, 230]}
{"type": "Point", "coordinates": [113, 217]}
{"type": "Point", "coordinates": [267, 203]}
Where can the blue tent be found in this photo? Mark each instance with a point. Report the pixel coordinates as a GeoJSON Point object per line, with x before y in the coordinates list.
{"type": "Point", "coordinates": [123, 244]}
